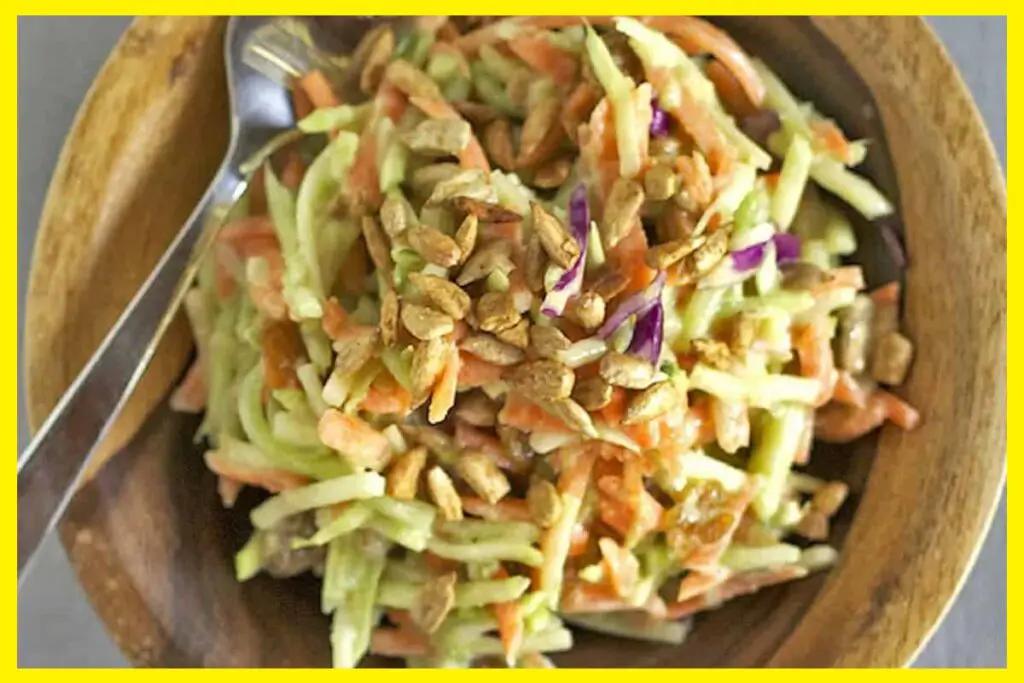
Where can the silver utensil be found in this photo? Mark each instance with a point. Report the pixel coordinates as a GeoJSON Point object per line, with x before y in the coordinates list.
{"type": "Point", "coordinates": [259, 53]}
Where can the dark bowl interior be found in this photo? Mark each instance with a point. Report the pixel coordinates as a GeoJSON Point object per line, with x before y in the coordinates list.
{"type": "Point", "coordinates": [172, 565]}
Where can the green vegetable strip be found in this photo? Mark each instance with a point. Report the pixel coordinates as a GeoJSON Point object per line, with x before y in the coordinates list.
{"type": "Point", "coordinates": [413, 513]}
{"type": "Point", "coordinates": [747, 558]}
{"type": "Point", "coordinates": [403, 594]}
{"type": "Point", "coordinates": [699, 314]}
{"type": "Point", "coordinates": [293, 430]}
{"type": "Point", "coordinates": [309, 378]}
{"type": "Point", "coordinates": [470, 530]}
{"type": "Point", "coordinates": [350, 519]}
{"type": "Point", "coordinates": [249, 560]}
{"type": "Point", "coordinates": [321, 494]}
{"type": "Point", "coordinates": [556, 639]}
{"type": "Point", "coordinates": [344, 117]}
{"type": "Point", "coordinates": [855, 190]}
{"type": "Point", "coordinates": [220, 413]}
{"type": "Point", "coordinates": [484, 551]}
{"type": "Point", "coordinates": [792, 179]}
{"type": "Point", "coordinates": [773, 456]}
{"type": "Point", "coordinates": [299, 293]}
{"type": "Point", "coordinates": [402, 534]}
{"type": "Point", "coordinates": [635, 625]}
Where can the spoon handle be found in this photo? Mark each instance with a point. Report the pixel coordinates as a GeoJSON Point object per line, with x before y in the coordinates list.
{"type": "Point", "coordinates": [49, 469]}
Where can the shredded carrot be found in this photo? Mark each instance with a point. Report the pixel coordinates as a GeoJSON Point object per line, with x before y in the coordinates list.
{"type": "Point", "coordinates": [814, 348]}
{"type": "Point", "coordinates": [522, 413]}
{"type": "Point", "coordinates": [698, 123]}
{"type": "Point", "coordinates": [578, 107]}
{"type": "Point", "coordinates": [387, 397]}
{"type": "Point", "coordinates": [580, 541]}
{"type": "Point", "coordinates": [511, 626]}
{"type": "Point", "coordinates": [319, 90]}
{"type": "Point", "coordinates": [473, 155]}
{"type": "Point", "coordinates": [615, 510]}
{"type": "Point", "coordinates": [697, 582]}
{"type": "Point", "coordinates": [363, 178]}
{"type": "Point", "coordinates": [190, 395]}
{"type": "Point", "coordinates": [390, 102]}
{"type": "Point", "coordinates": [832, 139]}
{"type": "Point", "coordinates": [628, 257]}
{"type": "Point", "coordinates": [354, 437]}
{"type": "Point", "coordinates": [228, 489]}
{"type": "Point", "coordinates": [446, 387]}
{"type": "Point", "coordinates": [272, 480]}
{"type": "Point", "coordinates": [398, 642]}
{"type": "Point", "coordinates": [439, 564]}
{"type": "Point", "coordinates": [282, 351]}
{"type": "Point", "coordinates": [887, 295]}
{"type": "Point", "coordinates": [621, 566]}
{"type": "Point", "coordinates": [474, 372]}
{"type": "Point", "coordinates": [505, 510]}
{"type": "Point", "coordinates": [850, 391]}
{"type": "Point", "coordinates": [242, 233]}
{"type": "Point", "coordinates": [537, 51]}
{"type": "Point", "coordinates": [335, 319]}
{"type": "Point", "coordinates": [699, 37]}
{"type": "Point", "coordinates": [293, 172]}
{"type": "Point", "coordinates": [839, 423]}
{"type": "Point", "coordinates": [598, 151]}
{"type": "Point", "coordinates": [301, 104]}
{"type": "Point", "coordinates": [729, 90]}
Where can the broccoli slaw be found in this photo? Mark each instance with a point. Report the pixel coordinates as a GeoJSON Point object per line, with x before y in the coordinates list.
{"type": "Point", "coordinates": [521, 331]}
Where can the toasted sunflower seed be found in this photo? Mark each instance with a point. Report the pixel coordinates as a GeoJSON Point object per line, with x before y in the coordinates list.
{"type": "Point", "coordinates": [517, 445]}
{"type": "Point", "coordinates": [544, 380]}
{"type": "Point", "coordinates": [697, 182]}
{"type": "Point", "coordinates": [518, 335]}
{"type": "Point", "coordinates": [378, 54]}
{"type": "Point", "coordinates": [434, 246]}
{"type": "Point", "coordinates": [377, 246]}
{"type": "Point", "coordinates": [891, 358]}
{"type": "Point", "coordinates": [496, 311]}
{"type": "Point", "coordinates": [404, 476]}
{"type": "Point", "coordinates": [542, 133]}
{"type": "Point", "coordinates": [438, 137]}
{"type": "Point", "coordinates": [552, 173]}
{"type": "Point", "coordinates": [544, 502]}
{"type": "Point", "coordinates": [466, 236]}
{"type": "Point", "coordinates": [742, 333]}
{"type": "Point", "coordinates": [498, 144]}
{"type": "Point", "coordinates": [434, 601]}
{"type": "Point", "coordinates": [446, 296]}
{"type": "Point", "coordinates": [389, 308]}
{"type": "Point", "coordinates": [664, 255]}
{"type": "Point", "coordinates": [469, 183]}
{"type": "Point", "coordinates": [477, 409]}
{"type": "Point", "coordinates": [486, 347]}
{"type": "Point", "coordinates": [713, 353]}
{"type": "Point", "coordinates": [355, 350]}
{"type": "Point", "coordinates": [485, 210]}
{"type": "Point", "coordinates": [436, 441]}
{"type": "Point", "coordinates": [559, 244]}
{"type": "Point", "coordinates": [660, 183]}
{"type": "Point", "coordinates": [621, 210]}
{"type": "Point", "coordinates": [393, 217]}
{"type": "Point", "coordinates": [483, 476]}
{"type": "Point", "coordinates": [626, 371]}
{"type": "Point", "coordinates": [593, 393]}
{"type": "Point", "coordinates": [425, 323]}
{"type": "Point", "coordinates": [536, 264]}
{"type": "Point", "coordinates": [444, 495]}
{"type": "Point", "coordinates": [573, 414]}
{"type": "Point", "coordinates": [428, 361]}
{"type": "Point", "coordinates": [489, 257]}
{"type": "Point", "coordinates": [588, 310]}
{"type": "Point", "coordinates": [711, 251]}
{"type": "Point", "coordinates": [411, 80]}
{"type": "Point", "coordinates": [652, 402]}
{"type": "Point", "coordinates": [830, 497]}
{"type": "Point", "coordinates": [547, 341]}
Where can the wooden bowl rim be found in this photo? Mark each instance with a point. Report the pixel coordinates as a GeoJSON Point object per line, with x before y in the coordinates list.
{"type": "Point", "coordinates": [918, 631]}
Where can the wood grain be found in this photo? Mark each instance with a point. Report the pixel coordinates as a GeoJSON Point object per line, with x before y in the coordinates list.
{"type": "Point", "coordinates": [153, 548]}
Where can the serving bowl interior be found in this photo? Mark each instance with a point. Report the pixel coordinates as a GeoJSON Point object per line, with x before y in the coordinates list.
{"type": "Point", "coordinates": [153, 547]}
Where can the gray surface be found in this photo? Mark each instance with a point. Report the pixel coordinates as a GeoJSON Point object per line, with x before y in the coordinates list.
{"type": "Point", "coordinates": [57, 60]}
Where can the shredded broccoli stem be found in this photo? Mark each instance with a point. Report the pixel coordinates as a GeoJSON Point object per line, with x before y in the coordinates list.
{"type": "Point", "coordinates": [329, 492]}
{"type": "Point", "coordinates": [249, 560]}
{"type": "Point", "coordinates": [795, 169]}
{"type": "Point", "coordinates": [773, 455]}
{"type": "Point", "coordinates": [348, 520]}
{"type": "Point", "coordinates": [746, 558]}
{"type": "Point", "coordinates": [484, 551]}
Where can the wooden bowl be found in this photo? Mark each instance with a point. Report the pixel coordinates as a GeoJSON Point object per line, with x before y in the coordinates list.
{"type": "Point", "coordinates": [153, 548]}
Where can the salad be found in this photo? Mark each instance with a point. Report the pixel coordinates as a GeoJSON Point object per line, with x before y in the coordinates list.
{"type": "Point", "coordinates": [532, 325]}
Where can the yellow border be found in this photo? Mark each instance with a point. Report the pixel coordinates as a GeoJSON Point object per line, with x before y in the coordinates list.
{"type": "Point", "coordinates": [384, 7]}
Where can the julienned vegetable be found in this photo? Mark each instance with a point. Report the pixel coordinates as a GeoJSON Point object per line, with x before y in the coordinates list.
{"type": "Point", "coordinates": [532, 322]}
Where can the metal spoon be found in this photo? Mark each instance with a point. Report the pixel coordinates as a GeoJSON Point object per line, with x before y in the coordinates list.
{"type": "Point", "coordinates": [259, 54]}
